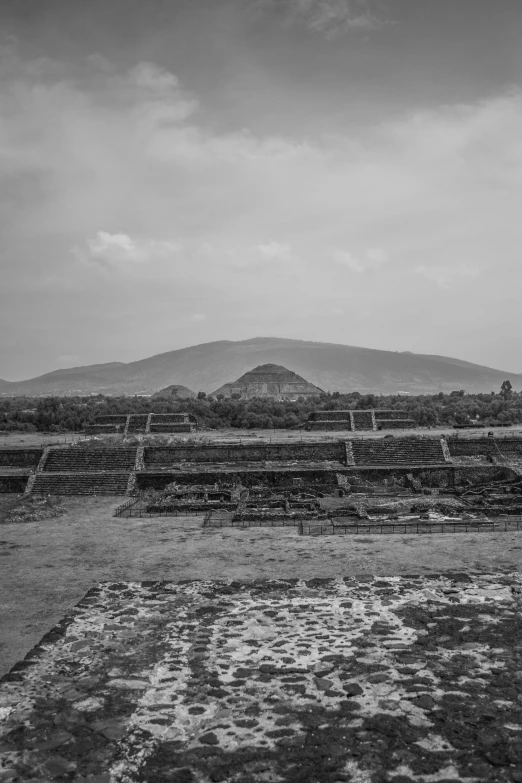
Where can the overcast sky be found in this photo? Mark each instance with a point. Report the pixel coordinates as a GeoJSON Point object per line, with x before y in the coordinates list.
{"type": "Point", "coordinates": [180, 171]}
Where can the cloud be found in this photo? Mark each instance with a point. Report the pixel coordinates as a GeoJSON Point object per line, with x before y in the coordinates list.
{"type": "Point", "coordinates": [197, 318]}
{"type": "Point", "coordinates": [161, 203]}
{"type": "Point", "coordinates": [275, 251]}
{"type": "Point", "coordinates": [234, 256]}
{"type": "Point", "coordinates": [121, 249]}
{"type": "Point", "coordinates": [326, 17]}
{"type": "Point", "coordinates": [372, 258]}
{"type": "Point", "coordinates": [444, 276]}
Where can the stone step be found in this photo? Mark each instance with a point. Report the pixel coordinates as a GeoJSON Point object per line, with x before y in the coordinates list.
{"type": "Point", "coordinates": [398, 452]}
{"type": "Point", "coordinates": [73, 459]}
{"type": "Point", "coordinates": [80, 484]}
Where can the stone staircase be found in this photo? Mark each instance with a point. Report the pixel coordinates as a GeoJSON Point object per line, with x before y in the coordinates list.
{"type": "Point", "coordinates": [398, 451]}
{"type": "Point", "coordinates": [78, 460]}
{"type": "Point", "coordinates": [89, 483]}
{"type": "Point", "coordinates": [363, 420]}
{"type": "Point", "coordinates": [349, 453]}
{"type": "Point", "coordinates": [138, 423]}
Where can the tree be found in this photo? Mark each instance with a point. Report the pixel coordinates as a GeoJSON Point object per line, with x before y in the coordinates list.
{"type": "Point", "coordinates": [201, 395]}
{"type": "Point", "coordinates": [506, 388]}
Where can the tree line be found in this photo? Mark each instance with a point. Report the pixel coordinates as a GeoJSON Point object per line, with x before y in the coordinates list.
{"type": "Point", "coordinates": [74, 414]}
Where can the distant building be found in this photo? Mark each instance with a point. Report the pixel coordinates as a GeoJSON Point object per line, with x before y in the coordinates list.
{"type": "Point", "coordinates": [175, 392]}
{"type": "Point", "coordinates": [357, 420]}
{"type": "Point", "coordinates": [269, 380]}
{"type": "Point", "coordinates": [142, 423]}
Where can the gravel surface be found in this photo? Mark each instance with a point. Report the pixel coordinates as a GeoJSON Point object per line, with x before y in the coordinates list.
{"type": "Point", "coordinates": [368, 679]}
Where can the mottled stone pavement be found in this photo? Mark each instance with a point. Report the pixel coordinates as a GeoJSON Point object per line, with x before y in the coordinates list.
{"type": "Point", "coordinates": [367, 679]}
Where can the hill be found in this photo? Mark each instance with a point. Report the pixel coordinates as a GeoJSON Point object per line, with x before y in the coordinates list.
{"type": "Point", "coordinates": [330, 366]}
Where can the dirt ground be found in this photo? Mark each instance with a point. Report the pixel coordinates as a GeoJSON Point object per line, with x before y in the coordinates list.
{"type": "Point", "coordinates": [36, 439]}
{"type": "Point", "coordinates": [47, 566]}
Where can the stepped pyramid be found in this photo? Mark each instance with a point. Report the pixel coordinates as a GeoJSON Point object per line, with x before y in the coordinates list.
{"type": "Point", "coordinates": [269, 380]}
{"type": "Point", "coordinates": [176, 391]}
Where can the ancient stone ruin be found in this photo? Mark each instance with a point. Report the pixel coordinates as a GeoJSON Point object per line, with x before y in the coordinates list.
{"type": "Point", "coordinates": [143, 423]}
{"type": "Point", "coordinates": [269, 380]}
{"type": "Point", "coordinates": [314, 485]}
{"type": "Point", "coordinates": [368, 678]}
{"type": "Point", "coordinates": [175, 392]}
{"type": "Point", "coordinates": [357, 420]}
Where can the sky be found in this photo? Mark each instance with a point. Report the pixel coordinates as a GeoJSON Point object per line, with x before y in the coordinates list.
{"type": "Point", "coordinates": [174, 172]}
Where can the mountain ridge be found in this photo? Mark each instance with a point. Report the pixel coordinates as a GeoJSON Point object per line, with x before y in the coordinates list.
{"type": "Point", "coordinates": [331, 366]}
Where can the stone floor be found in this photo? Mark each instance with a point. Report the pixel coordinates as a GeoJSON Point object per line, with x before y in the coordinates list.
{"type": "Point", "coordinates": [368, 679]}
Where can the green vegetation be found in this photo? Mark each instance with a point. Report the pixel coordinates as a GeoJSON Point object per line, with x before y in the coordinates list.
{"type": "Point", "coordinates": [66, 414]}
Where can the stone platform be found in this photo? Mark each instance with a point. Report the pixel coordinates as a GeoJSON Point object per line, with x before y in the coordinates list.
{"type": "Point", "coordinates": [361, 679]}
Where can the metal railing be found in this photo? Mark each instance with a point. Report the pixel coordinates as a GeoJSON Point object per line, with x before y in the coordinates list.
{"type": "Point", "coordinates": [126, 510]}
{"type": "Point", "coordinates": [246, 523]}
{"type": "Point", "coordinates": [120, 511]}
{"type": "Point", "coordinates": [501, 526]}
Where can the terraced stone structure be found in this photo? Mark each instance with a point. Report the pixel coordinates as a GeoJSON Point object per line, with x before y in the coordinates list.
{"type": "Point", "coordinates": [359, 420]}
{"type": "Point", "coordinates": [505, 447]}
{"type": "Point", "coordinates": [16, 468]}
{"type": "Point", "coordinates": [76, 470]}
{"type": "Point", "coordinates": [269, 380]}
{"type": "Point", "coordinates": [143, 423]}
{"type": "Point", "coordinates": [318, 465]}
{"type": "Point", "coordinates": [176, 391]}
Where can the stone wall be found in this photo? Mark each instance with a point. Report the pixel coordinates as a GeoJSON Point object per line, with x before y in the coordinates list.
{"type": "Point", "coordinates": [330, 426]}
{"type": "Point", "coordinates": [389, 415]}
{"type": "Point", "coordinates": [359, 420]}
{"type": "Point", "coordinates": [328, 480]}
{"type": "Point", "coordinates": [170, 418]}
{"type": "Point", "coordinates": [387, 476]}
{"type": "Point", "coordinates": [166, 428]}
{"type": "Point", "coordinates": [252, 478]}
{"type": "Point", "coordinates": [105, 429]}
{"type": "Point", "coordinates": [480, 447]}
{"type": "Point", "coordinates": [13, 484]}
{"type": "Point", "coordinates": [329, 416]}
{"type": "Point", "coordinates": [120, 418]}
{"type": "Point", "coordinates": [261, 452]}
{"type": "Point", "coordinates": [482, 474]}
{"type": "Point", "coordinates": [396, 424]}
{"type": "Point", "coordinates": [20, 458]}
{"type": "Point", "coordinates": [143, 423]}
{"type": "Point", "coordinates": [434, 477]}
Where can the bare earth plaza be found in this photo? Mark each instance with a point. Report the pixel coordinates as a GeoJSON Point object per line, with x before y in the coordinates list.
{"type": "Point", "coordinates": [308, 607]}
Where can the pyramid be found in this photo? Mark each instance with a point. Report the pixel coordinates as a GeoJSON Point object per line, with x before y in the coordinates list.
{"type": "Point", "coordinates": [175, 391]}
{"type": "Point", "coordinates": [269, 380]}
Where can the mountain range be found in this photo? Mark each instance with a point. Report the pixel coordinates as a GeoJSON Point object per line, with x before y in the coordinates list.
{"type": "Point", "coordinates": [330, 366]}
